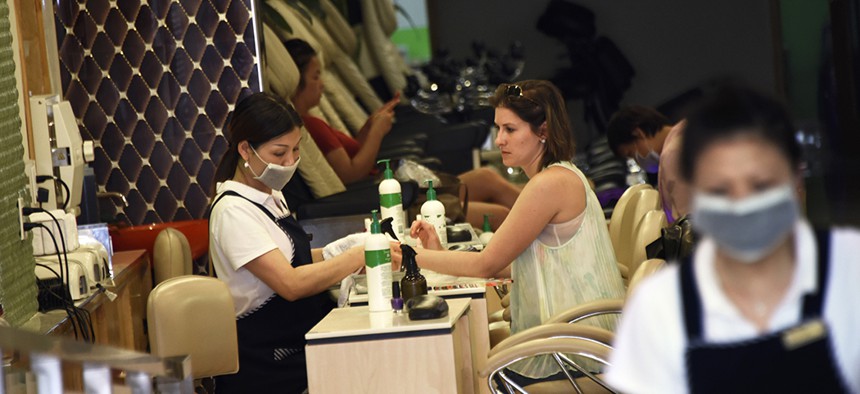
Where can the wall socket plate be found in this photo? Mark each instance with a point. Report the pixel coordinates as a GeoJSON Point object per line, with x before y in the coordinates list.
{"type": "Point", "coordinates": [21, 217]}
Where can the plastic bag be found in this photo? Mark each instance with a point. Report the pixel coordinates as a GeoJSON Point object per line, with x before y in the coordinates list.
{"type": "Point", "coordinates": [412, 171]}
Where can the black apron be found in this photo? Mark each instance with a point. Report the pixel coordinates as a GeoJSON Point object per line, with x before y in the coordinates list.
{"type": "Point", "coordinates": [798, 359]}
{"type": "Point", "coordinates": [272, 337]}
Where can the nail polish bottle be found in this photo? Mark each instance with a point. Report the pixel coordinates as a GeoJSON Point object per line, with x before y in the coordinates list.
{"type": "Point", "coordinates": [396, 301]}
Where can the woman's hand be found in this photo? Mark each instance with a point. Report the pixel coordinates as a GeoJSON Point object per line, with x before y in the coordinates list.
{"type": "Point", "coordinates": [427, 234]}
{"type": "Point", "coordinates": [396, 256]}
{"type": "Point", "coordinates": [380, 121]}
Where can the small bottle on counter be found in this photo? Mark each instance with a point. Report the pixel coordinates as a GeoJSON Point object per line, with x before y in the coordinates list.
{"type": "Point", "coordinates": [396, 300]}
{"type": "Point", "coordinates": [413, 283]}
{"type": "Point", "coordinates": [433, 212]}
{"type": "Point", "coordinates": [487, 233]}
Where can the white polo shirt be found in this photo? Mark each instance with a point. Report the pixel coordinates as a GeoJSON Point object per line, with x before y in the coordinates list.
{"type": "Point", "coordinates": [238, 233]}
{"type": "Point", "coordinates": [650, 345]}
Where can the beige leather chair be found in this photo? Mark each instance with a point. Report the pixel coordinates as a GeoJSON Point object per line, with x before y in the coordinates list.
{"type": "Point", "coordinates": [640, 204]}
{"type": "Point", "coordinates": [194, 315]}
{"type": "Point", "coordinates": [566, 341]}
{"type": "Point", "coordinates": [647, 231]}
{"type": "Point", "coordinates": [171, 255]}
{"type": "Point", "coordinates": [500, 322]}
{"type": "Point", "coordinates": [646, 269]}
{"type": "Point", "coordinates": [616, 223]}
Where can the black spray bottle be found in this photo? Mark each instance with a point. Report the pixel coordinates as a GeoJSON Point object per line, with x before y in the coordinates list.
{"type": "Point", "coordinates": [413, 283]}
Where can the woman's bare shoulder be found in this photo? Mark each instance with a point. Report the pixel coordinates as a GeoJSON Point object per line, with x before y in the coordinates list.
{"type": "Point", "coordinates": [555, 179]}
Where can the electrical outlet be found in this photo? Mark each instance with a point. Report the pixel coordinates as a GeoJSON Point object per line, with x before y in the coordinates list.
{"type": "Point", "coordinates": [21, 217]}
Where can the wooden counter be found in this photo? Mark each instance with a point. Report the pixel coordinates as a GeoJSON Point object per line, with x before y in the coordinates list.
{"type": "Point", "coordinates": [119, 322]}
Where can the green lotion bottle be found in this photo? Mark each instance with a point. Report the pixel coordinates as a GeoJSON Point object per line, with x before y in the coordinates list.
{"type": "Point", "coordinates": [377, 260]}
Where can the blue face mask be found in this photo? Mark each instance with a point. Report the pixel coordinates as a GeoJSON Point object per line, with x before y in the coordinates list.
{"type": "Point", "coordinates": [649, 163]}
{"type": "Point", "coordinates": [750, 228]}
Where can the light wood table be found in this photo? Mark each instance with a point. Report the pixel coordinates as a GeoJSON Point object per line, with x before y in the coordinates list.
{"type": "Point", "coordinates": [356, 351]}
{"type": "Point", "coordinates": [474, 290]}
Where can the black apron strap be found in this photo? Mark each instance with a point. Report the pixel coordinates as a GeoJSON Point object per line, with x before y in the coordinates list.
{"type": "Point", "coordinates": [813, 303]}
{"type": "Point", "coordinates": [690, 300]}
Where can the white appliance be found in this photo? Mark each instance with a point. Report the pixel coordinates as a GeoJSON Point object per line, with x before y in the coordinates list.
{"type": "Point", "coordinates": [60, 150]}
{"type": "Point", "coordinates": [79, 288]}
{"type": "Point", "coordinates": [93, 246]}
{"type": "Point", "coordinates": [42, 242]}
{"type": "Point", "coordinates": [94, 267]}
{"type": "Point", "coordinates": [97, 236]}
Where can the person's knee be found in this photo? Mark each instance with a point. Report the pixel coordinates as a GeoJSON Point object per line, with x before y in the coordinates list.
{"type": "Point", "coordinates": [486, 175]}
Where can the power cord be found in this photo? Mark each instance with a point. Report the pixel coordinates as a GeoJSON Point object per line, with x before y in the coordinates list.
{"type": "Point", "coordinates": [31, 210]}
{"type": "Point", "coordinates": [44, 178]}
{"type": "Point", "coordinates": [79, 318]}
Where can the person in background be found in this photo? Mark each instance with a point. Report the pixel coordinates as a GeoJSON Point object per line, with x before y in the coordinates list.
{"type": "Point", "coordinates": [554, 243]}
{"type": "Point", "coordinates": [645, 135]}
{"type": "Point", "coordinates": [353, 159]}
{"type": "Point", "coordinates": [766, 304]}
{"type": "Point", "coordinates": [278, 283]}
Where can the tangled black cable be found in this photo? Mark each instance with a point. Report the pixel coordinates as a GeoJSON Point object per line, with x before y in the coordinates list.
{"type": "Point", "coordinates": [79, 318]}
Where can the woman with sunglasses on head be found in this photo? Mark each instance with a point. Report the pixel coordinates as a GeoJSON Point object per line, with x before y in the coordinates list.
{"type": "Point", "coordinates": [353, 159]}
{"type": "Point", "coordinates": [277, 282]}
{"type": "Point", "coordinates": [766, 304]}
{"type": "Point", "coordinates": [554, 243]}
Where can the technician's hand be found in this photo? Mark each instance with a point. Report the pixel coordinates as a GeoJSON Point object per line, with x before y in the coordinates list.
{"type": "Point", "coordinates": [355, 255]}
{"type": "Point", "coordinates": [427, 234]}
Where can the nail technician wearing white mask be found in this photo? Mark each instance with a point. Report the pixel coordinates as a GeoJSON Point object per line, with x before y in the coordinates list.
{"type": "Point", "coordinates": [645, 135]}
{"type": "Point", "coordinates": [766, 304]}
{"type": "Point", "coordinates": [278, 283]}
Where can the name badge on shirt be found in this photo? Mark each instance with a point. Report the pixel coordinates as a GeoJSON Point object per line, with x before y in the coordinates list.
{"type": "Point", "coordinates": [803, 334]}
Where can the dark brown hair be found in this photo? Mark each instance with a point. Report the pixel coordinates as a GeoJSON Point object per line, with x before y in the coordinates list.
{"type": "Point", "coordinates": [624, 123]}
{"type": "Point", "coordinates": [734, 111]}
{"type": "Point", "coordinates": [302, 53]}
{"type": "Point", "coordinates": [541, 102]}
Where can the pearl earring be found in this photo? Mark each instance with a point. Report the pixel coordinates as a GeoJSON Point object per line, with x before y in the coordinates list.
{"type": "Point", "coordinates": [543, 140]}
{"type": "Point", "coordinates": [247, 165]}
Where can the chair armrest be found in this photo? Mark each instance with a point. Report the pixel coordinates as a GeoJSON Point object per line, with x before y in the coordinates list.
{"type": "Point", "coordinates": [590, 309]}
{"type": "Point", "coordinates": [581, 347]}
{"type": "Point", "coordinates": [624, 270]}
{"type": "Point", "coordinates": [555, 330]}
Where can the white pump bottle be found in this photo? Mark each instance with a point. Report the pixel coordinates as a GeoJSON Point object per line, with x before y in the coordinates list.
{"type": "Point", "coordinates": [433, 212]}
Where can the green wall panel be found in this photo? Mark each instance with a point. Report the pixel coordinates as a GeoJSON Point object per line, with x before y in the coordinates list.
{"type": "Point", "coordinates": [17, 282]}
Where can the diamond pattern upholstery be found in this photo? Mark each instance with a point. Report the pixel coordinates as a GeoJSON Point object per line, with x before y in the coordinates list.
{"type": "Point", "coordinates": [152, 83]}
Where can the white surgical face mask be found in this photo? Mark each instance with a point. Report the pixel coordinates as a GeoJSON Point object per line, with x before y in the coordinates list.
{"type": "Point", "coordinates": [750, 228]}
{"type": "Point", "coordinates": [274, 175]}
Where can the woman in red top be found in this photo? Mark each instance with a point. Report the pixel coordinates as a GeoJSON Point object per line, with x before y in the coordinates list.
{"type": "Point", "coordinates": [354, 158]}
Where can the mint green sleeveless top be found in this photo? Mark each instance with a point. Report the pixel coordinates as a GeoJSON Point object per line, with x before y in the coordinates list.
{"type": "Point", "coordinates": [562, 269]}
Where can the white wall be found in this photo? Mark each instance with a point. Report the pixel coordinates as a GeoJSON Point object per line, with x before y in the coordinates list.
{"type": "Point", "coordinates": [673, 44]}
